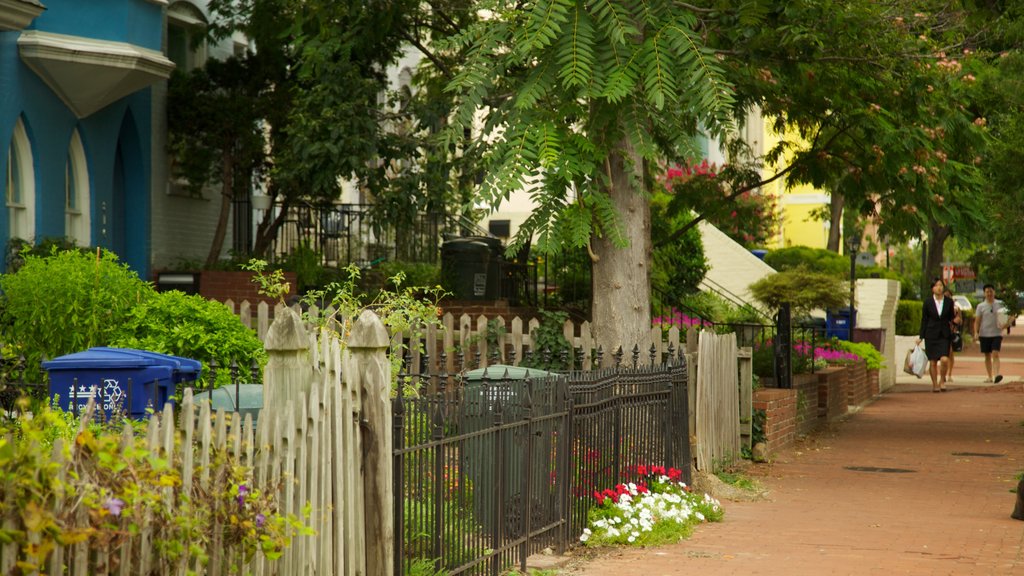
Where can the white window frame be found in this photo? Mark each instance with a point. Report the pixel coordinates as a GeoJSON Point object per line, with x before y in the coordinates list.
{"type": "Point", "coordinates": [21, 192]}
{"type": "Point", "coordinates": [190, 18]}
{"type": "Point", "coordinates": [77, 221]}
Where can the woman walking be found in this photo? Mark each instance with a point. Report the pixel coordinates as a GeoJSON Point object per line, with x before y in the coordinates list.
{"type": "Point", "coordinates": [936, 318]}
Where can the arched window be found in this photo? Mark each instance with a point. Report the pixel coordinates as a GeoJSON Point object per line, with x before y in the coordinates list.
{"type": "Point", "coordinates": [76, 193]}
{"type": "Point", "coordinates": [186, 28]}
{"type": "Point", "coordinates": [21, 186]}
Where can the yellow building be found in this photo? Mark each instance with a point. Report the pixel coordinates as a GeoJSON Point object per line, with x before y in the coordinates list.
{"type": "Point", "coordinates": [797, 205]}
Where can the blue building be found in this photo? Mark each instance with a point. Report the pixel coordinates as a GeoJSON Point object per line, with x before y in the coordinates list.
{"type": "Point", "coordinates": [76, 121]}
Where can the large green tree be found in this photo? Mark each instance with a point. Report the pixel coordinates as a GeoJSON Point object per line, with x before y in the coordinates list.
{"type": "Point", "coordinates": [570, 100]}
{"type": "Point", "coordinates": [870, 101]}
{"type": "Point", "coordinates": [310, 95]}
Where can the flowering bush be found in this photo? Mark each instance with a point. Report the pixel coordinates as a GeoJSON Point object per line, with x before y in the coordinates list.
{"type": "Point", "coordinates": [805, 358]}
{"type": "Point", "coordinates": [105, 487]}
{"type": "Point", "coordinates": [678, 318]}
{"type": "Point", "coordinates": [657, 510]}
{"type": "Point", "coordinates": [749, 218]}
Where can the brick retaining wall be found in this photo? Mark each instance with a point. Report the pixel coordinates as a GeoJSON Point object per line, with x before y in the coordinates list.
{"type": "Point", "coordinates": [832, 393]}
{"type": "Point", "coordinates": [779, 406]}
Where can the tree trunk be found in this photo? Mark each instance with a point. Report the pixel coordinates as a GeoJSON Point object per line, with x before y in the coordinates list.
{"type": "Point", "coordinates": [937, 235]}
{"type": "Point", "coordinates": [227, 171]}
{"type": "Point", "coordinates": [620, 308]}
{"type": "Point", "coordinates": [835, 221]}
{"type": "Point", "coordinates": [267, 229]}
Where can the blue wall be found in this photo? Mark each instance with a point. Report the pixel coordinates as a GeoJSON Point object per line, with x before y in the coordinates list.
{"type": "Point", "coordinates": [136, 22]}
{"type": "Point", "coordinates": [49, 123]}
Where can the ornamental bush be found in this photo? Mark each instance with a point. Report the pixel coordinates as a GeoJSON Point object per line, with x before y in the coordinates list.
{"type": "Point", "coordinates": [192, 327]}
{"type": "Point", "coordinates": [659, 509]}
{"type": "Point", "coordinates": [101, 486]}
{"type": "Point", "coordinates": [67, 302]}
{"type": "Point", "coordinates": [908, 317]}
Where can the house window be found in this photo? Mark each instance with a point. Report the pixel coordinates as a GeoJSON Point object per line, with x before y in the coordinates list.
{"type": "Point", "coordinates": [186, 31]}
{"type": "Point", "coordinates": [76, 193]}
{"type": "Point", "coordinates": [20, 186]}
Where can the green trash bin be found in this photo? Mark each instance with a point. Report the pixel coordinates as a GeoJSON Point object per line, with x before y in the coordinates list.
{"type": "Point", "coordinates": [249, 401]}
{"type": "Point", "coordinates": [481, 389]}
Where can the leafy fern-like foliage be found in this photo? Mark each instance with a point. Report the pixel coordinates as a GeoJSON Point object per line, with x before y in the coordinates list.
{"type": "Point", "coordinates": [563, 83]}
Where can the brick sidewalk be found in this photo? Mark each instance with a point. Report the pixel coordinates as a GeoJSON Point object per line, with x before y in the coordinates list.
{"type": "Point", "coordinates": [915, 483]}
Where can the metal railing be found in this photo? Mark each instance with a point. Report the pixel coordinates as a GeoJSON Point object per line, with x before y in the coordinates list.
{"type": "Point", "coordinates": [494, 469]}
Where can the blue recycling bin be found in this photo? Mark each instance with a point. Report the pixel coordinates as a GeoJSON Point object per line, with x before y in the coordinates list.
{"type": "Point", "coordinates": [837, 323]}
{"type": "Point", "coordinates": [125, 378]}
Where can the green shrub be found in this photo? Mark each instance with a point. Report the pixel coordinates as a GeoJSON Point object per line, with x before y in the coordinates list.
{"type": "Point", "coordinates": [67, 302]}
{"type": "Point", "coordinates": [415, 273]}
{"type": "Point", "coordinates": [817, 259]}
{"type": "Point", "coordinates": [802, 289]}
{"type": "Point", "coordinates": [908, 318]}
{"type": "Point", "coordinates": [192, 327]}
{"type": "Point", "coordinates": [112, 485]}
{"type": "Point", "coordinates": [867, 352]}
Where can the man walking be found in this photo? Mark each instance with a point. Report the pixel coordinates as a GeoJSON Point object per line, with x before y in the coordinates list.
{"type": "Point", "coordinates": [989, 329]}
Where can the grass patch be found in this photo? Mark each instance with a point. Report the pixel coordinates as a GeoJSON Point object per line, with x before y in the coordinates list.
{"type": "Point", "coordinates": [739, 480]}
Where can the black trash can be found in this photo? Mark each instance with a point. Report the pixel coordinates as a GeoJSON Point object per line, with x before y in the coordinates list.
{"type": "Point", "coordinates": [125, 379]}
{"type": "Point", "coordinates": [471, 267]}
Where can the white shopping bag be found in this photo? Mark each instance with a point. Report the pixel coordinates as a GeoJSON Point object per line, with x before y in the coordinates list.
{"type": "Point", "coordinates": [918, 361]}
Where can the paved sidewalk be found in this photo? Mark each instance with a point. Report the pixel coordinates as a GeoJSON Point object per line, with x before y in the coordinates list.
{"type": "Point", "coordinates": [915, 483]}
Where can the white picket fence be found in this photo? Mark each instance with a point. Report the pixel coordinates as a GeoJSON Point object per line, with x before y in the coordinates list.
{"type": "Point", "coordinates": [721, 377]}
{"type": "Point", "coordinates": [307, 451]}
{"type": "Point", "coordinates": [468, 336]}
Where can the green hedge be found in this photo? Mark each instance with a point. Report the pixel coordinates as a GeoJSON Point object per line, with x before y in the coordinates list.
{"type": "Point", "coordinates": [908, 318]}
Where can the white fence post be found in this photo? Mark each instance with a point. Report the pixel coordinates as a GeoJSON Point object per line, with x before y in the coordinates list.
{"type": "Point", "coordinates": [366, 366]}
{"type": "Point", "coordinates": [288, 375]}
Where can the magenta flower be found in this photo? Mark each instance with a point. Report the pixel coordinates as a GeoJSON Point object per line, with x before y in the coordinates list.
{"type": "Point", "coordinates": [260, 520]}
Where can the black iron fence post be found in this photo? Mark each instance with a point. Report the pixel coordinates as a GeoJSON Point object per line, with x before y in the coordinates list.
{"type": "Point", "coordinates": [563, 474]}
{"type": "Point", "coordinates": [439, 483]}
{"type": "Point", "coordinates": [528, 503]}
{"type": "Point", "coordinates": [398, 444]}
{"type": "Point", "coordinates": [783, 347]}
{"type": "Point", "coordinates": [497, 534]}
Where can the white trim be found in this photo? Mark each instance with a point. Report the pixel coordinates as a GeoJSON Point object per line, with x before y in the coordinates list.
{"type": "Point", "coordinates": [24, 212]}
{"type": "Point", "coordinates": [186, 14]}
{"type": "Point", "coordinates": [90, 74]}
{"type": "Point", "coordinates": [77, 223]}
{"type": "Point", "coordinates": [18, 14]}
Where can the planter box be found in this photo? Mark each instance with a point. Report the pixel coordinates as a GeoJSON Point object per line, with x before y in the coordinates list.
{"type": "Point", "coordinates": [806, 387]}
{"type": "Point", "coordinates": [832, 393]}
{"type": "Point", "coordinates": [222, 285]}
{"type": "Point", "coordinates": [779, 406]}
{"type": "Point", "coordinates": [857, 387]}
{"type": "Point", "coordinates": [874, 389]}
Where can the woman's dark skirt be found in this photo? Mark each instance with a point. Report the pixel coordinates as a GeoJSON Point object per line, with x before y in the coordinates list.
{"type": "Point", "coordinates": [937, 348]}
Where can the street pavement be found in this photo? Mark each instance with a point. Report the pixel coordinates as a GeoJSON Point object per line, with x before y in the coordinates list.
{"type": "Point", "coordinates": [914, 483]}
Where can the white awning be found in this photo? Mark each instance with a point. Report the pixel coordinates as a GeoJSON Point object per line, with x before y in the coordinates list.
{"type": "Point", "coordinates": [17, 14]}
{"type": "Point", "coordinates": [90, 74]}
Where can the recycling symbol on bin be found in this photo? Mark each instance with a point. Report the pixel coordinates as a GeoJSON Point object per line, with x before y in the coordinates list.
{"type": "Point", "coordinates": [112, 393]}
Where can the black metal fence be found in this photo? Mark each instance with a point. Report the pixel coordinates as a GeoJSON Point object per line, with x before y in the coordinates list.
{"type": "Point", "coordinates": [355, 233]}
{"type": "Point", "coordinates": [495, 468]}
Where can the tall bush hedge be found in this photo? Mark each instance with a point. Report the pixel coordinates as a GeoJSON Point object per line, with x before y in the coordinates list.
{"type": "Point", "coordinates": [71, 300]}
{"type": "Point", "coordinates": [67, 302]}
{"type": "Point", "coordinates": [908, 318]}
